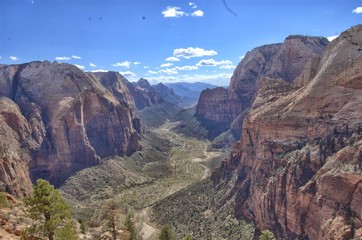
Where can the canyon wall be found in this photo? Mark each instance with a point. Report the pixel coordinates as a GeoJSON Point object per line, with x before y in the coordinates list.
{"type": "Point", "coordinates": [298, 165]}
{"type": "Point", "coordinates": [55, 120]}
{"type": "Point", "coordinates": [286, 60]}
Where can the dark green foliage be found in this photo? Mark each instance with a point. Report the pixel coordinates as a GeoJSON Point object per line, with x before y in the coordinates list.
{"type": "Point", "coordinates": [266, 235]}
{"type": "Point", "coordinates": [110, 214]}
{"type": "Point", "coordinates": [51, 213]}
{"type": "Point", "coordinates": [131, 227]}
{"type": "Point", "coordinates": [188, 238]}
{"type": "Point", "coordinates": [203, 217]}
{"type": "Point", "coordinates": [166, 233]}
{"type": "Point", "coordinates": [83, 226]}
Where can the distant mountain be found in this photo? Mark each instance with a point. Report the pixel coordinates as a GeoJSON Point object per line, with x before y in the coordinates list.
{"type": "Point", "coordinates": [167, 94]}
{"type": "Point", "coordinates": [189, 92]}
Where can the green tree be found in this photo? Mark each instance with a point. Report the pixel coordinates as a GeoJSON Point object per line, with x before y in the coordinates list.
{"type": "Point", "coordinates": [166, 233]}
{"type": "Point", "coordinates": [111, 213]}
{"type": "Point", "coordinates": [266, 235]}
{"type": "Point", "coordinates": [51, 213]}
{"type": "Point", "coordinates": [131, 227]}
{"type": "Point", "coordinates": [188, 238]}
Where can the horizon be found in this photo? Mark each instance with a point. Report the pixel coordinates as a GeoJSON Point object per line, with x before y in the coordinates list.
{"type": "Point", "coordinates": [163, 41]}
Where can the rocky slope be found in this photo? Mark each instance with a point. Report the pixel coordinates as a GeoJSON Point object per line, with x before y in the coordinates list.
{"type": "Point", "coordinates": [55, 120]}
{"type": "Point", "coordinates": [299, 164]}
{"type": "Point", "coordinates": [145, 95]}
{"type": "Point", "coordinates": [136, 95]}
{"type": "Point", "coordinates": [167, 94]}
{"type": "Point", "coordinates": [285, 61]}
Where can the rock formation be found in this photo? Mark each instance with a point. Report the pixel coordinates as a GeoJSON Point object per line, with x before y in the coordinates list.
{"type": "Point", "coordinates": [137, 95]}
{"type": "Point", "coordinates": [54, 120]}
{"type": "Point", "coordinates": [167, 94]}
{"type": "Point", "coordinates": [285, 61]}
{"type": "Point", "coordinates": [299, 161]}
{"type": "Point", "coordinates": [145, 95]}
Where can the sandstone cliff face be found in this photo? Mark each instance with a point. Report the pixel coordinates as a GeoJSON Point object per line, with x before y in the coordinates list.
{"type": "Point", "coordinates": [71, 120]}
{"type": "Point", "coordinates": [15, 140]}
{"type": "Point", "coordinates": [119, 86]}
{"type": "Point", "coordinates": [285, 61]}
{"type": "Point", "coordinates": [300, 155]}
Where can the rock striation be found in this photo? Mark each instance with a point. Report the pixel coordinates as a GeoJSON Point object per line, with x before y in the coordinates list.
{"type": "Point", "coordinates": [58, 120]}
{"type": "Point", "coordinates": [298, 165]}
{"type": "Point", "coordinates": [285, 61]}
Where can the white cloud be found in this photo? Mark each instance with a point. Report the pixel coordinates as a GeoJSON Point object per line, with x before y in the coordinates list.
{"type": "Point", "coordinates": [136, 63]}
{"type": "Point", "coordinates": [125, 64]}
{"type": "Point", "coordinates": [166, 65]}
{"type": "Point", "coordinates": [212, 62]}
{"type": "Point", "coordinates": [145, 67]}
{"type": "Point", "coordinates": [173, 12]}
{"type": "Point", "coordinates": [151, 72]}
{"type": "Point", "coordinates": [128, 74]}
{"type": "Point", "coordinates": [197, 13]}
{"type": "Point", "coordinates": [186, 68]}
{"type": "Point", "coordinates": [331, 38]}
{"type": "Point", "coordinates": [193, 52]}
{"type": "Point", "coordinates": [92, 65]}
{"type": "Point", "coordinates": [168, 71]}
{"type": "Point", "coordinates": [99, 70]}
{"type": "Point", "coordinates": [193, 5]}
{"type": "Point", "coordinates": [357, 10]}
{"type": "Point", "coordinates": [62, 58]}
{"type": "Point", "coordinates": [13, 58]}
{"type": "Point", "coordinates": [218, 79]}
{"type": "Point", "coordinates": [76, 57]}
{"type": "Point", "coordinates": [172, 59]}
{"type": "Point", "coordinates": [241, 57]}
{"type": "Point", "coordinates": [227, 67]}
{"type": "Point", "coordinates": [79, 66]}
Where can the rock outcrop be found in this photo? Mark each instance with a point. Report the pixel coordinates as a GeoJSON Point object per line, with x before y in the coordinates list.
{"type": "Point", "coordinates": [299, 161]}
{"type": "Point", "coordinates": [285, 61]}
{"type": "Point", "coordinates": [167, 94]}
{"type": "Point", "coordinates": [59, 120]}
{"type": "Point", "coordinates": [137, 95]}
{"type": "Point", "coordinates": [145, 95]}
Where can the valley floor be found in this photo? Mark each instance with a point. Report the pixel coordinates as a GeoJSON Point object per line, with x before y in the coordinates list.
{"type": "Point", "coordinates": [168, 163]}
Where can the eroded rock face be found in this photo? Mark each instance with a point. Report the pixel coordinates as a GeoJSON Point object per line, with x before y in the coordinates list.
{"type": "Point", "coordinates": [167, 94]}
{"type": "Point", "coordinates": [15, 135]}
{"type": "Point", "coordinates": [285, 61]}
{"type": "Point", "coordinates": [300, 155]}
{"type": "Point", "coordinates": [145, 95]}
{"type": "Point", "coordinates": [73, 120]}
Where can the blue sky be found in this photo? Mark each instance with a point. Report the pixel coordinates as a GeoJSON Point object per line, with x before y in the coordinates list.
{"type": "Point", "coordinates": [162, 40]}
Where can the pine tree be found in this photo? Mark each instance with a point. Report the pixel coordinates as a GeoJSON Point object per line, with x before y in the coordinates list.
{"type": "Point", "coordinates": [131, 227]}
{"type": "Point", "coordinates": [266, 235]}
{"type": "Point", "coordinates": [166, 233]}
{"type": "Point", "coordinates": [111, 213]}
{"type": "Point", "coordinates": [51, 213]}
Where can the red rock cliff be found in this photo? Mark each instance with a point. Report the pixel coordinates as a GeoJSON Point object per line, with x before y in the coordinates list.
{"type": "Point", "coordinates": [299, 161]}
{"type": "Point", "coordinates": [286, 61]}
{"type": "Point", "coordinates": [71, 120]}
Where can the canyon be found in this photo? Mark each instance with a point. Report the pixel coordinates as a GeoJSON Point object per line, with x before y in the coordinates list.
{"type": "Point", "coordinates": [295, 169]}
